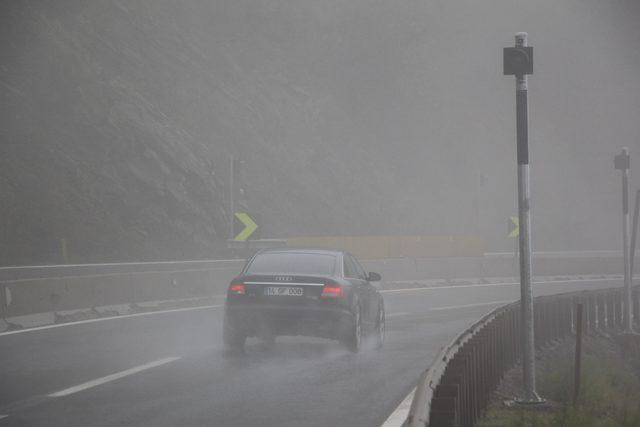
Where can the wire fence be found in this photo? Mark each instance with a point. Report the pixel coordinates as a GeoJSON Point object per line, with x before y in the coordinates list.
{"type": "Point", "coordinates": [456, 389]}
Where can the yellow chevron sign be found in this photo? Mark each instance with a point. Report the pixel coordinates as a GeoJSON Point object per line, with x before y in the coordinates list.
{"type": "Point", "coordinates": [250, 226]}
{"type": "Point", "coordinates": [514, 226]}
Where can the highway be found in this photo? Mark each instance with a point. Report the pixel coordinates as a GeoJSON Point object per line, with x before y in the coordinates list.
{"type": "Point", "coordinates": [167, 369]}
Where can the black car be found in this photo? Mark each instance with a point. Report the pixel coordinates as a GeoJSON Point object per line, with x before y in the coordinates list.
{"type": "Point", "coordinates": [308, 292]}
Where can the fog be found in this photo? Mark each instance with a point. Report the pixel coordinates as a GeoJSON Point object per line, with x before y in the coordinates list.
{"type": "Point", "coordinates": [351, 117]}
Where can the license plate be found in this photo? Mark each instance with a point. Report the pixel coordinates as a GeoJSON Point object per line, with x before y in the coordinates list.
{"type": "Point", "coordinates": [283, 291]}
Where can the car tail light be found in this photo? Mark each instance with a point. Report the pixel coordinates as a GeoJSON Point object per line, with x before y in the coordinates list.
{"type": "Point", "coordinates": [237, 289]}
{"type": "Point", "coordinates": [332, 290]}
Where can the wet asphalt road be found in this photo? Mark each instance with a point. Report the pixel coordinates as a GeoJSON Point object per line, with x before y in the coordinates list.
{"type": "Point", "coordinates": [299, 382]}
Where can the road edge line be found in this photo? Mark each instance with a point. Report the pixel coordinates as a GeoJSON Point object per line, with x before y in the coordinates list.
{"type": "Point", "coordinates": [100, 319]}
{"type": "Point", "coordinates": [400, 414]}
{"type": "Point", "coordinates": [113, 377]}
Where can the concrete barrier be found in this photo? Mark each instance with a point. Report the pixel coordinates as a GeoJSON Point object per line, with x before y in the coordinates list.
{"type": "Point", "coordinates": [28, 290]}
{"type": "Point", "coordinates": [495, 265]}
{"type": "Point", "coordinates": [379, 247]}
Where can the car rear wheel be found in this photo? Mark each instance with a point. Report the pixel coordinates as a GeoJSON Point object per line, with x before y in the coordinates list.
{"type": "Point", "coordinates": [233, 338]}
{"type": "Point", "coordinates": [354, 340]}
{"type": "Point", "coordinates": [381, 327]}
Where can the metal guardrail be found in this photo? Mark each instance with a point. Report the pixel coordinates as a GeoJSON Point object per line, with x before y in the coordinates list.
{"type": "Point", "coordinates": [39, 289]}
{"type": "Point", "coordinates": [455, 390]}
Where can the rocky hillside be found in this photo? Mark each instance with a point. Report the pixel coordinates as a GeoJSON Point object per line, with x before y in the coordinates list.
{"type": "Point", "coordinates": [118, 119]}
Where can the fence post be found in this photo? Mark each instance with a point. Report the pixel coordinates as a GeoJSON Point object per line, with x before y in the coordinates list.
{"type": "Point", "coordinates": [3, 302]}
{"type": "Point", "coordinates": [578, 359]}
{"type": "Point", "coordinates": [636, 305]}
{"type": "Point", "coordinates": [444, 406]}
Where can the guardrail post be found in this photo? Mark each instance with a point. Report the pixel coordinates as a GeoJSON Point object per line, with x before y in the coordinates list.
{"type": "Point", "coordinates": [544, 321]}
{"type": "Point", "coordinates": [608, 311]}
{"type": "Point", "coordinates": [559, 318]}
{"type": "Point", "coordinates": [493, 354]}
{"type": "Point", "coordinates": [593, 323]}
{"type": "Point", "coordinates": [460, 376]}
{"type": "Point", "coordinates": [512, 337]}
{"type": "Point", "coordinates": [619, 310]}
{"type": "Point", "coordinates": [573, 315]}
{"type": "Point", "coordinates": [518, 321]}
{"type": "Point", "coordinates": [578, 355]}
{"type": "Point", "coordinates": [636, 305]}
{"type": "Point", "coordinates": [611, 311]}
{"type": "Point", "coordinates": [482, 371]}
{"type": "Point", "coordinates": [473, 379]}
{"type": "Point", "coordinates": [567, 319]}
{"type": "Point", "coordinates": [3, 302]}
{"type": "Point", "coordinates": [584, 301]}
{"type": "Point", "coordinates": [599, 312]}
{"type": "Point", "coordinates": [562, 318]}
{"type": "Point", "coordinates": [444, 406]}
{"type": "Point", "coordinates": [488, 372]}
{"type": "Point", "coordinates": [553, 324]}
{"type": "Point", "coordinates": [502, 330]}
{"type": "Point", "coordinates": [536, 323]}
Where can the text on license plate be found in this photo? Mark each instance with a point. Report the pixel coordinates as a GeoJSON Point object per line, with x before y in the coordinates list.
{"type": "Point", "coordinates": [283, 291]}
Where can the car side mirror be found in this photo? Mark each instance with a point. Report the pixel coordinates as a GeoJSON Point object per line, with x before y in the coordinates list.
{"type": "Point", "coordinates": [374, 277]}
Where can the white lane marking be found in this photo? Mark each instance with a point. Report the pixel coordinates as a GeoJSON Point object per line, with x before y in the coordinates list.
{"type": "Point", "coordinates": [3, 416]}
{"type": "Point", "coordinates": [124, 316]}
{"type": "Point", "coordinates": [485, 285]}
{"type": "Point", "coordinates": [453, 307]}
{"type": "Point", "coordinates": [401, 313]}
{"type": "Point", "coordinates": [112, 377]}
{"type": "Point", "coordinates": [399, 416]}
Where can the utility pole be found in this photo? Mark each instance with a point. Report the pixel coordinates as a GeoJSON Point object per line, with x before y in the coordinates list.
{"type": "Point", "coordinates": [518, 62]}
{"type": "Point", "coordinates": [622, 162]}
{"type": "Point", "coordinates": [634, 233]}
{"type": "Point", "coordinates": [232, 208]}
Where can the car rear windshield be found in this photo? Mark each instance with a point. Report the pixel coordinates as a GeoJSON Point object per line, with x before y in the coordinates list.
{"type": "Point", "coordinates": [292, 263]}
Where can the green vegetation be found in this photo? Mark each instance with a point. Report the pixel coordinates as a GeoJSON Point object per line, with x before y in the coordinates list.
{"type": "Point", "coordinates": [609, 395]}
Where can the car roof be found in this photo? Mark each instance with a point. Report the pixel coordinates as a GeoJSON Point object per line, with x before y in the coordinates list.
{"type": "Point", "coordinates": [315, 251]}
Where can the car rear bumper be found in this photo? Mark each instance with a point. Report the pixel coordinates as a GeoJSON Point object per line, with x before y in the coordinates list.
{"type": "Point", "coordinates": [256, 320]}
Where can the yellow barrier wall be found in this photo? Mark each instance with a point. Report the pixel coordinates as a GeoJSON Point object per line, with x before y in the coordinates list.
{"type": "Point", "coordinates": [375, 247]}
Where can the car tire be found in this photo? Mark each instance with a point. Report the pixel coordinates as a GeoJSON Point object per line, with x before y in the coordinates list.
{"type": "Point", "coordinates": [354, 339]}
{"type": "Point", "coordinates": [381, 327]}
{"type": "Point", "coordinates": [233, 338]}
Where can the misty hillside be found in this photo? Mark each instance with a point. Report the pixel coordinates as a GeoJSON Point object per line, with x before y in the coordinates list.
{"type": "Point", "coordinates": [351, 117]}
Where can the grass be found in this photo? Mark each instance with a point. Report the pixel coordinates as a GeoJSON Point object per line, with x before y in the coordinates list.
{"type": "Point", "coordinates": [609, 395]}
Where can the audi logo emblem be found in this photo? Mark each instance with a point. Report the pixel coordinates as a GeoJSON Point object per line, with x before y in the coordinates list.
{"type": "Point", "coordinates": [284, 278]}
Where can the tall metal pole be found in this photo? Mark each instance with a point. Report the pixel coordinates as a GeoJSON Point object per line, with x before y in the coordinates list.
{"type": "Point", "coordinates": [634, 233]}
{"type": "Point", "coordinates": [524, 214]}
{"type": "Point", "coordinates": [623, 163]}
{"type": "Point", "coordinates": [232, 208]}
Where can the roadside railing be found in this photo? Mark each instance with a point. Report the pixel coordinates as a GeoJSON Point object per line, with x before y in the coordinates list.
{"type": "Point", "coordinates": [55, 289]}
{"type": "Point", "coordinates": [39, 289]}
{"type": "Point", "coordinates": [455, 390]}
